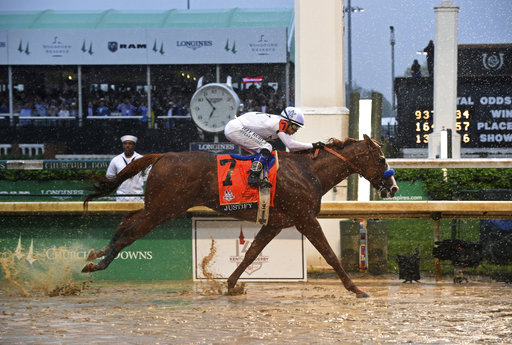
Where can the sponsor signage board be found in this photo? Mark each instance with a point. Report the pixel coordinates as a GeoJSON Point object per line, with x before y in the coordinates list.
{"type": "Point", "coordinates": [283, 259]}
{"type": "Point", "coordinates": [217, 148]}
{"type": "Point", "coordinates": [55, 190]}
{"type": "Point", "coordinates": [43, 243]}
{"type": "Point", "coordinates": [142, 46]}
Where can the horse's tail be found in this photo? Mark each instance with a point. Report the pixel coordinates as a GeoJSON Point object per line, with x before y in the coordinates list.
{"type": "Point", "coordinates": [103, 186]}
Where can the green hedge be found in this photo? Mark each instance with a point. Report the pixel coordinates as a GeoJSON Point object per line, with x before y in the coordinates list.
{"type": "Point", "coordinates": [441, 186]}
{"type": "Point", "coordinates": [438, 184]}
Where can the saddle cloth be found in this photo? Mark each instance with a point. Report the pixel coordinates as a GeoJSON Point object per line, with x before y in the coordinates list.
{"type": "Point", "coordinates": [235, 194]}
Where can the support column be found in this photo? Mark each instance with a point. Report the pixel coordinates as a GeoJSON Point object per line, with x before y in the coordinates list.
{"type": "Point", "coordinates": [80, 97]}
{"type": "Point", "coordinates": [149, 111]}
{"type": "Point", "coordinates": [11, 97]}
{"type": "Point", "coordinates": [445, 79]}
{"type": "Point", "coordinates": [320, 92]}
{"type": "Point", "coordinates": [319, 75]}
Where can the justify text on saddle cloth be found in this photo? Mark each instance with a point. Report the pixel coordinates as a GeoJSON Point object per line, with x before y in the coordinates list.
{"type": "Point", "coordinates": [235, 194]}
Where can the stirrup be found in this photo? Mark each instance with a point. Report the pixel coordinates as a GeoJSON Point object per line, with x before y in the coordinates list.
{"type": "Point", "coordinates": [265, 183]}
{"type": "Point", "coordinates": [254, 178]}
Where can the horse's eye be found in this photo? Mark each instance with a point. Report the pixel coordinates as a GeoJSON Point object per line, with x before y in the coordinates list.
{"type": "Point", "coordinates": [382, 160]}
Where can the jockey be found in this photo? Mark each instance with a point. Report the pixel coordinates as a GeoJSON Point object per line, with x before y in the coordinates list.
{"type": "Point", "coordinates": [252, 130]}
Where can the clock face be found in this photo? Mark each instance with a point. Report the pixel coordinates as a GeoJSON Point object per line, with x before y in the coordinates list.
{"type": "Point", "coordinates": [213, 106]}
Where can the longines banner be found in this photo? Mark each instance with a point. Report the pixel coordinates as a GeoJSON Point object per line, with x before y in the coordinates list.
{"type": "Point", "coordinates": [220, 244]}
{"type": "Point", "coordinates": [143, 46]}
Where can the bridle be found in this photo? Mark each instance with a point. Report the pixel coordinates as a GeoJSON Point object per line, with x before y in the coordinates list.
{"type": "Point", "coordinates": [375, 182]}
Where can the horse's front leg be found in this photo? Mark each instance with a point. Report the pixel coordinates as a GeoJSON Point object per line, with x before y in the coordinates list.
{"type": "Point", "coordinates": [263, 237]}
{"type": "Point", "coordinates": [314, 233]}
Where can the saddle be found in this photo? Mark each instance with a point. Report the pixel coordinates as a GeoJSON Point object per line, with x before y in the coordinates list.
{"type": "Point", "coordinates": [235, 194]}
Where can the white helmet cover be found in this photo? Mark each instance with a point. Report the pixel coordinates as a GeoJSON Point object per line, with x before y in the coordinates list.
{"type": "Point", "coordinates": [294, 115]}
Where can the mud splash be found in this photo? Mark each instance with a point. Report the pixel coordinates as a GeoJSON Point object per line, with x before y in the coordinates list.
{"type": "Point", "coordinates": [39, 275]}
{"type": "Point", "coordinates": [212, 286]}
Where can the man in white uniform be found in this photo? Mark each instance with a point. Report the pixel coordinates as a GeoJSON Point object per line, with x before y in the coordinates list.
{"type": "Point", "coordinates": [135, 184]}
{"type": "Point", "coordinates": [252, 130]}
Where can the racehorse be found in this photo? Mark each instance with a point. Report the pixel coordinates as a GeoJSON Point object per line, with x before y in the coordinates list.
{"type": "Point", "coordinates": [180, 180]}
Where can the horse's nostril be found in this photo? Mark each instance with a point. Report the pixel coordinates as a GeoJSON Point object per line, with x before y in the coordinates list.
{"type": "Point", "coordinates": [394, 189]}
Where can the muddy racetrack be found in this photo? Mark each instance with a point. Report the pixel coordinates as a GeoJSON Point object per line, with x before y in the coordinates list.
{"type": "Point", "coordinates": [317, 312]}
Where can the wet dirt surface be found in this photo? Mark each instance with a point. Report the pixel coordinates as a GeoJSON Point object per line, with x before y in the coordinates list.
{"type": "Point", "coordinates": [317, 312]}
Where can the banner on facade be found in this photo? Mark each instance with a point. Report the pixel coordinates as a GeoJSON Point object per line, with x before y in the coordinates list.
{"type": "Point", "coordinates": [143, 46]}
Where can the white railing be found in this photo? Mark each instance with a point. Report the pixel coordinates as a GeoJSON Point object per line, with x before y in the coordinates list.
{"type": "Point", "coordinates": [26, 149]}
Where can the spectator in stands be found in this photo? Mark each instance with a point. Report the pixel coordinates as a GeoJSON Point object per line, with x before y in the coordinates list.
{"type": "Point", "coordinates": [53, 110]}
{"type": "Point", "coordinates": [4, 108]}
{"type": "Point", "coordinates": [126, 108]}
{"type": "Point", "coordinates": [90, 109]}
{"type": "Point", "coordinates": [25, 111]}
{"type": "Point", "coordinates": [168, 123]}
{"type": "Point", "coordinates": [64, 110]}
{"type": "Point", "coordinates": [135, 184]}
{"type": "Point", "coordinates": [142, 110]}
{"type": "Point", "coordinates": [102, 110]}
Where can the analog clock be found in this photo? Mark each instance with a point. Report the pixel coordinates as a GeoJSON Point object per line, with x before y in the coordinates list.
{"type": "Point", "coordinates": [213, 105]}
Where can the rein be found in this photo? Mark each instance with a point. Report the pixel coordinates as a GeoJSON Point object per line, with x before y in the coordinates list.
{"type": "Point", "coordinates": [388, 173]}
{"type": "Point", "coordinates": [331, 151]}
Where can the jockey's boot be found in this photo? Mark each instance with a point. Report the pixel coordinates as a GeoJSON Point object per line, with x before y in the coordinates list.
{"type": "Point", "coordinates": [257, 167]}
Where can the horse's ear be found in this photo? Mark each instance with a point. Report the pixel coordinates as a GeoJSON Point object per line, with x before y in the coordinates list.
{"type": "Point", "coordinates": [371, 142]}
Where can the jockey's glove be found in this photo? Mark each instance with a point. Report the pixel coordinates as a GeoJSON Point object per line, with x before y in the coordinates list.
{"type": "Point", "coordinates": [318, 145]}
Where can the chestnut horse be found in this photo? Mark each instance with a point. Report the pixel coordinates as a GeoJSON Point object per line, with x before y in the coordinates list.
{"type": "Point", "coordinates": [181, 180]}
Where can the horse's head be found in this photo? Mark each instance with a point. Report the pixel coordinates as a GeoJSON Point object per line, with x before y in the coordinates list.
{"type": "Point", "coordinates": [377, 170]}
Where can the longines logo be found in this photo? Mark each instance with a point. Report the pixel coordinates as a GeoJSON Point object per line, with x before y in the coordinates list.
{"type": "Point", "coordinates": [114, 46]}
{"type": "Point", "coordinates": [194, 44]}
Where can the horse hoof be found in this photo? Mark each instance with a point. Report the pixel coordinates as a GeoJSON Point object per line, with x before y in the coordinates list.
{"type": "Point", "coordinates": [237, 290]}
{"type": "Point", "coordinates": [92, 255]}
{"type": "Point", "coordinates": [362, 295]}
{"type": "Point", "coordinates": [90, 267]}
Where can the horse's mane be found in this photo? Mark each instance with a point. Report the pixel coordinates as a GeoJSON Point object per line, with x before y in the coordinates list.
{"type": "Point", "coordinates": [334, 142]}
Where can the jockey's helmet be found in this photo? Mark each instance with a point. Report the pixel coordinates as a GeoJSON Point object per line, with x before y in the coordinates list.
{"type": "Point", "coordinates": [294, 116]}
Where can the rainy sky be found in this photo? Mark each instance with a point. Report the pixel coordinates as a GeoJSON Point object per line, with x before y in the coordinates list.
{"type": "Point", "coordinates": [480, 21]}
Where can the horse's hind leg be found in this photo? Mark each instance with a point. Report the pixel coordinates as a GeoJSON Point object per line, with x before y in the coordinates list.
{"type": "Point", "coordinates": [314, 233]}
{"type": "Point", "coordinates": [264, 236]}
{"type": "Point", "coordinates": [132, 228]}
{"type": "Point", "coordinates": [94, 254]}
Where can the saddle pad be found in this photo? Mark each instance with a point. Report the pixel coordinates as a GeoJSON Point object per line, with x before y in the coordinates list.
{"type": "Point", "coordinates": [234, 192]}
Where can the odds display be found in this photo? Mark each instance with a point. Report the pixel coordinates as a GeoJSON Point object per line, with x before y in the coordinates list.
{"type": "Point", "coordinates": [483, 115]}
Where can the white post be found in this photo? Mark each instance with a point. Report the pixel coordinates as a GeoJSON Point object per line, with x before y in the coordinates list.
{"type": "Point", "coordinates": [149, 105]}
{"type": "Point", "coordinates": [365, 127]}
{"type": "Point", "coordinates": [319, 75]}
{"type": "Point", "coordinates": [11, 97]}
{"type": "Point", "coordinates": [80, 98]}
{"type": "Point", "coordinates": [445, 79]}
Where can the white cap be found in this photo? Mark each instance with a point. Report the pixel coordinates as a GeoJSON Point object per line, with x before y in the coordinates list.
{"type": "Point", "coordinates": [128, 137]}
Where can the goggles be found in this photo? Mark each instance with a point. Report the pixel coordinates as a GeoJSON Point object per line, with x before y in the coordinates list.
{"type": "Point", "coordinates": [294, 127]}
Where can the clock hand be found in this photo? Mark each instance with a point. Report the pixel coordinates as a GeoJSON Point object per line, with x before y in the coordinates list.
{"type": "Point", "coordinates": [210, 102]}
{"type": "Point", "coordinates": [213, 110]}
